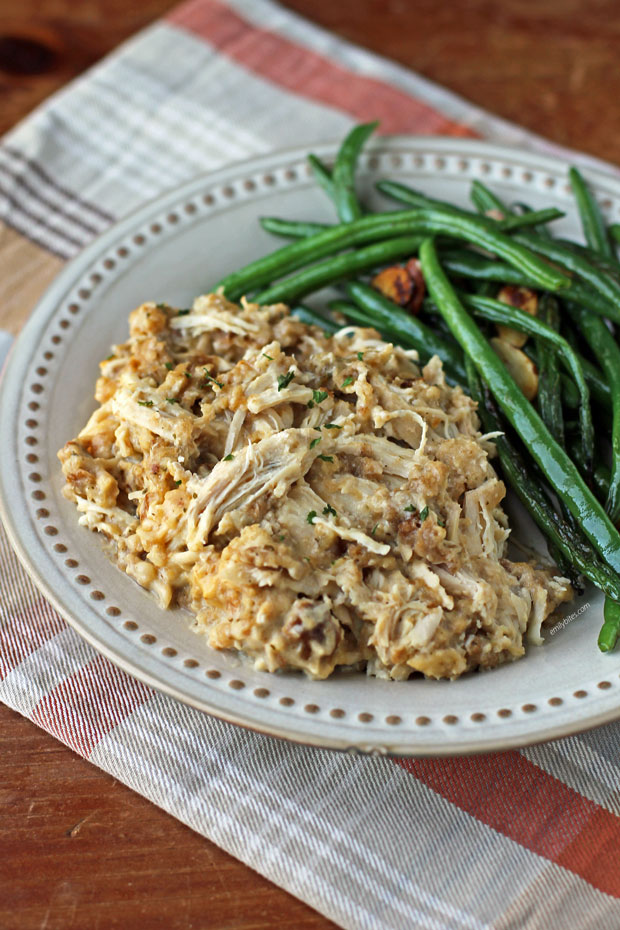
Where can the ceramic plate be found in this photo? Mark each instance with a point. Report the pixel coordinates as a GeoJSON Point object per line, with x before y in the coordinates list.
{"type": "Point", "coordinates": [171, 250]}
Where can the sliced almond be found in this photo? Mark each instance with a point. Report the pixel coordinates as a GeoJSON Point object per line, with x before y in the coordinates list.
{"type": "Point", "coordinates": [513, 336]}
{"type": "Point", "coordinates": [414, 270]}
{"type": "Point", "coordinates": [523, 298]}
{"type": "Point", "coordinates": [403, 284]}
{"type": "Point", "coordinates": [396, 284]}
{"type": "Point", "coordinates": [522, 368]}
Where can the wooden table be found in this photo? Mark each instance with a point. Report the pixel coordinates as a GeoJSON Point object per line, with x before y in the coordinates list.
{"type": "Point", "coordinates": [78, 849]}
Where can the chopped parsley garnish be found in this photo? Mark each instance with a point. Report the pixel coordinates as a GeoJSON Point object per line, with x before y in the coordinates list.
{"type": "Point", "coordinates": [410, 508]}
{"type": "Point", "coordinates": [332, 426]}
{"type": "Point", "coordinates": [281, 537]}
{"type": "Point", "coordinates": [229, 457]}
{"type": "Point", "coordinates": [360, 355]}
{"type": "Point", "coordinates": [374, 529]}
{"type": "Point", "coordinates": [423, 514]}
{"type": "Point", "coordinates": [145, 403]}
{"type": "Point", "coordinates": [183, 312]}
{"type": "Point", "coordinates": [315, 442]}
{"type": "Point", "coordinates": [311, 517]}
{"type": "Point", "coordinates": [317, 428]}
{"type": "Point", "coordinates": [326, 458]}
{"type": "Point", "coordinates": [285, 380]}
{"type": "Point", "coordinates": [441, 522]}
{"type": "Point", "coordinates": [169, 366]}
{"type": "Point", "coordinates": [347, 381]}
{"type": "Point", "coordinates": [327, 510]}
{"type": "Point", "coordinates": [210, 377]}
{"type": "Point", "coordinates": [317, 398]}
{"type": "Point", "coordinates": [187, 374]}
{"type": "Point", "coordinates": [161, 306]}
{"type": "Point", "coordinates": [110, 357]}
{"type": "Point", "coordinates": [267, 356]}
{"type": "Point", "coordinates": [177, 483]}
{"type": "Point", "coordinates": [172, 400]}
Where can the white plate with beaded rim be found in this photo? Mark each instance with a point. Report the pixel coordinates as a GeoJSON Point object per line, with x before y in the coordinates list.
{"type": "Point", "coordinates": [170, 250]}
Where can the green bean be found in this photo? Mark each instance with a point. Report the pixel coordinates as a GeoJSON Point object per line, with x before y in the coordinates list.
{"type": "Point", "coordinates": [347, 308]}
{"type": "Point", "coordinates": [484, 200]}
{"type": "Point", "coordinates": [322, 175]}
{"type": "Point", "coordinates": [599, 388]}
{"type": "Point", "coordinates": [297, 254]}
{"type": "Point", "coordinates": [484, 288]}
{"type": "Point", "coordinates": [591, 219]}
{"type": "Point", "coordinates": [301, 229]}
{"type": "Point", "coordinates": [607, 354]}
{"type": "Point", "coordinates": [553, 461]}
{"type": "Point", "coordinates": [604, 283]}
{"type": "Point", "coordinates": [314, 318]}
{"type": "Point", "coordinates": [408, 195]}
{"type": "Point", "coordinates": [600, 476]}
{"type": "Point", "coordinates": [337, 268]}
{"type": "Point", "coordinates": [549, 391]}
{"type": "Point", "coordinates": [535, 218]}
{"type": "Point", "coordinates": [529, 490]}
{"type": "Point", "coordinates": [362, 318]}
{"type": "Point", "coordinates": [343, 176]}
{"type": "Point", "coordinates": [609, 266]}
{"type": "Point", "coordinates": [597, 383]}
{"type": "Point", "coordinates": [465, 263]}
{"type": "Point", "coordinates": [608, 636]}
{"type": "Point", "coordinates": [388, 225]}
{"type": "Point", "coordinates": [468, 264]}
{"type": "Point", "coordinates": [404, 194]}
{"type": "Point", "coordinates": [291, 229]}
{"type": "Point", "coordinates": [498, 312]}
{"type": "Point", "coordinates": [570, 394]}
{"type": "Point", "coordinates": [385, 313]}
{"type": "Point", "coordinates": [524, 208]}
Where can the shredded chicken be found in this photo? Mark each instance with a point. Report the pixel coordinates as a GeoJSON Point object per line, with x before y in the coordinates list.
{"type": "Point", "coordinates": [315, 502]}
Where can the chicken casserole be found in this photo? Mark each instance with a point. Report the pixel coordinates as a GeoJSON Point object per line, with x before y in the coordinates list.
{"type": "Point", "coordinates": [315, 501]}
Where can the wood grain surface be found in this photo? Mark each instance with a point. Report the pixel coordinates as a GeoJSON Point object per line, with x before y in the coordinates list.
{"type": "Point", "coordinates": [78, 850]}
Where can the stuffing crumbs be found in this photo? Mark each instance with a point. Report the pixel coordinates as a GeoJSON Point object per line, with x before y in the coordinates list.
{"type": "Point", "coordinates": [315, 502]}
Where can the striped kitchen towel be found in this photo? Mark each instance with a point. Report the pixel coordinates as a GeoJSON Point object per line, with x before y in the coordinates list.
{"type": "Point", "coordinates": [526, 839]}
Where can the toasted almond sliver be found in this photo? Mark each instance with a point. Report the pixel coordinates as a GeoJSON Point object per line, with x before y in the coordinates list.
{"type": "Point", "coordinates": [395, 283]}
{"type": "Point", "coordinates": [522, 368]}
{"type": "Point", "coordinates": [524, 299]}
{"type": "Point", "coordinates": [513, 336]}
{"type": "Point", "coordinates": [414, 270]}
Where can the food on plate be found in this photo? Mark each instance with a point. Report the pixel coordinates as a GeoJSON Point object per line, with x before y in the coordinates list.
{"type": "Point", "coordinates": [316, 484]}
{"type": "Point", "coordinates": [316, 500]}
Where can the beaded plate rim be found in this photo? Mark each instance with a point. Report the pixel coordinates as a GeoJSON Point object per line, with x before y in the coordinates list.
{"type": "Point", "coordinates": [38, 529]}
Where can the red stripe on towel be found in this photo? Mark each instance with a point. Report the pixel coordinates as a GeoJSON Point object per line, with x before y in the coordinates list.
{"type": "Point", "coordinates": [309, 74]}
{"type": "Point", "coordinates": [85, 707]}
{"type": "Point", "coordinates": [26, 632]}
{"type": "Point", "coordinates": [513, 796]}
